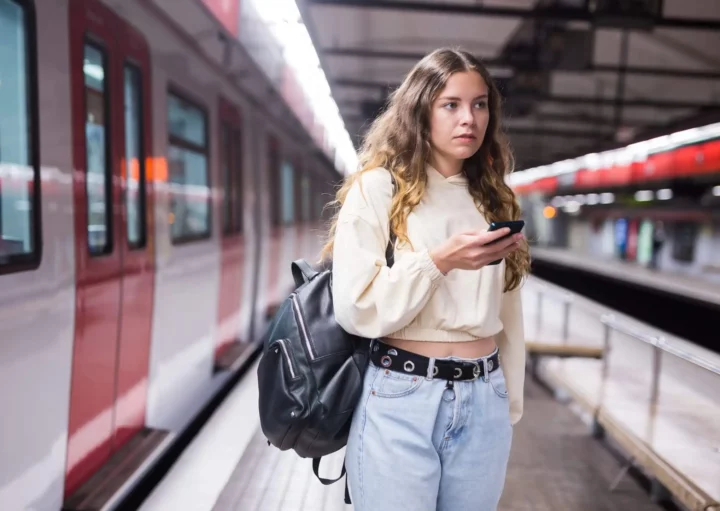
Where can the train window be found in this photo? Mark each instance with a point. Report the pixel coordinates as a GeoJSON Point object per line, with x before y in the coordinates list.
{"type": "Point", "coordinates": [287, 194]}
{"type": "Point", "coordinates": [98, 178]}
{"type": "Point", "coordinates": [19, 178]}
{"type": "Point", "coordinates": [134, 159]}
{"type": "Point", "coordinates": [188, 171]}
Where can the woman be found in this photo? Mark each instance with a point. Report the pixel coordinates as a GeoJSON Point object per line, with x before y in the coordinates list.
{"type": "Point", "coordinates": [433, 427]}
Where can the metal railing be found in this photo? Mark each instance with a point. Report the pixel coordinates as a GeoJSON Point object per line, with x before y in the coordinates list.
{"type": "Point", "coordinates": [692, 385]}
{"type": "Point", "coordinates": [610, 323]}
{"type": "Point", "coordinates": [660, 343]}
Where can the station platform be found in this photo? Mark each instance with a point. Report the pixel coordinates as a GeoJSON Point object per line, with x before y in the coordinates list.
{"type": "Point", "coordinates": [675, 283]}
{"type": "Point", "coordinates": [555, 465]}
{"type": "Point", "coordinates": [619, 416]}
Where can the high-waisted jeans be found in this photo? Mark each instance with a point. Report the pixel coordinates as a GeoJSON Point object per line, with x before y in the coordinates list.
{"type": "Point", "coordinates": [427, 445]}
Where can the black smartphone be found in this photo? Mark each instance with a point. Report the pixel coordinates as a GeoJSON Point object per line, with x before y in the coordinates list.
{"type": "Point", "coordinates": [515, 227]}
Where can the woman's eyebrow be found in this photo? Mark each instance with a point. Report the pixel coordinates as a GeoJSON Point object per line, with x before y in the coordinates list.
{"type": "Point", "coordinates": [454, 98]}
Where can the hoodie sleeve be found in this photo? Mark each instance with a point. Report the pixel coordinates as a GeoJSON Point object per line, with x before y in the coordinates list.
{"type": "Point", "coordinates": [511, 343]}
{"type": "Point", "coordinates": [371, 299]}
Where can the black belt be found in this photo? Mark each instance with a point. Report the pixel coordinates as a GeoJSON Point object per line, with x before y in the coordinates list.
{"type": "Point", "coordinates": [389, 357]}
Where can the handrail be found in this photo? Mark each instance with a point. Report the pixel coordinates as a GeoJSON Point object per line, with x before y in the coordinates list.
{"type": "Point", "coordinates": [661, 343]}
{"type": "Point", "coordinates": [561, 294]}
{"type": "Point", "coordinates": [610, 321]}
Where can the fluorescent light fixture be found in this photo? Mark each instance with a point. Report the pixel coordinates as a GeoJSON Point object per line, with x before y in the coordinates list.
{"type": "Point", "coordinates": [716, 191]}
{"type": "Point", "coordinates": [607, 198]}
{"type": "Point", "coordinates": [564, 167]}
{"type": "Point", "coordinates": [658, 144]}
{"type": "Point", "coordinates": [608, 158]}
{"type": "Point", "coordinates": [572, 207]}
{"type": "Point", "coordinates": [644, 195]}
{"type": "Point", "coordinates": [664, 194]}
{"type": "Point", "coordinates": [593, 198]}
{"type": "Point", "coordinates": [283, 19]}
{"type": "Point", "coordinates": [560, 201]}
{"type": "Point", "coordinates": [591, 161]}
{"type": "Point", "coordinates": [636, 152]}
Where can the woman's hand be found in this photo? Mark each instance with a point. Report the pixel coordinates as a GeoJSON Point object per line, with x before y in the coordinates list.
{"type": "Point", "coordinates": [473, 250]}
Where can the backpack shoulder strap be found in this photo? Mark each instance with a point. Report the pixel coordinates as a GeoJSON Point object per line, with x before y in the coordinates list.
{"type": "Point", "coordinates": [302, 272]}
{"type": "Point", "coordinates": [316, 469]}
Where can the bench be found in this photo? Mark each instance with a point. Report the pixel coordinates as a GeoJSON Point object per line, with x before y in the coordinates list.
{"type": "Point", "coordinates": [666, 479]}
{"type": "Point", "coordinates": [535, 350]}
{"type": "Point", "coordinates": [563, 350]}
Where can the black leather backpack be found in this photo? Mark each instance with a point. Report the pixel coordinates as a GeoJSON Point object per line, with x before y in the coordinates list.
{"type": "Point", "coordinates": [310, 375]}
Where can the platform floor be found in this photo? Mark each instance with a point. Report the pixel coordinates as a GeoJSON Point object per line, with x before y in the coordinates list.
{"type": "Point", "coordinates": [555, 466]}
{"type": "Point", "coordinates": [698, 287]}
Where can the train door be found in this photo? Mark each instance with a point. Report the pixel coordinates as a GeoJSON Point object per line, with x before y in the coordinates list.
{"type": "Point", "coordinates": [233, 242]}
{"type": "Point", "coordinates": [136, 233]}
{"type": "Point", "coordinates": [114, 262]}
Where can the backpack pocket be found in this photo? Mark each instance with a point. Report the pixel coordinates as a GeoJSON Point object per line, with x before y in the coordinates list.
{"type": "Point", "coordinates": [281, 407]}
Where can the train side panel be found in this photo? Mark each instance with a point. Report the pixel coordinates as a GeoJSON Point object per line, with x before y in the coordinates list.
{"type": "Point", "coordinates": [37, 307]}
{"type": "Point", "coordinates": [38, 326]}
{"type": "Point", "coordinates": [187, 234]}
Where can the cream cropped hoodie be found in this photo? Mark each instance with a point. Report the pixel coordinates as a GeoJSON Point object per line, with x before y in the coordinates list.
{"type": "Point", "coordinates": [413, 299]}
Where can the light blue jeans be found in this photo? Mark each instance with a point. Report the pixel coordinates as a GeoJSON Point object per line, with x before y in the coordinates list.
{"type": "Point", "coordinates": [423, 445]}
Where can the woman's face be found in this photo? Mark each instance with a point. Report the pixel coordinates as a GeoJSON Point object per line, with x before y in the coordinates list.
{"type": "Point", "coordinates": [458, 119]}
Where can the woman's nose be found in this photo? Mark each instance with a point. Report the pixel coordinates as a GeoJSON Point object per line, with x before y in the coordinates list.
{"type": "Point", "coordinates": [467, 117]}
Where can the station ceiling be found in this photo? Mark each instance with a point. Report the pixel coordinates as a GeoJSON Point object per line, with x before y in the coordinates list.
{"type": "Point", "coordinates": [575, 79]}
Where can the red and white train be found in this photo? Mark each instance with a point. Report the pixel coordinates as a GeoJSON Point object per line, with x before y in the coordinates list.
{"type": "Point", "coordinates": [151, 199]}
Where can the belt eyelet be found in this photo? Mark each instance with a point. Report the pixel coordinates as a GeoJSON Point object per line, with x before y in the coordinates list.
{"type": "Point", "coordinates": [386, 361]}
{"type": "Point", "coordinates": [458, 372]}
{"type": "Point", "coordinates": [409, 366]}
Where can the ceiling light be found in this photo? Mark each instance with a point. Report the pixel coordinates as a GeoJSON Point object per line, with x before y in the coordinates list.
{"type": "Point", "coordinates": [644, 195]}
{"type": "Point", "coordinates": [607, 198]}
{"type": "Point", "coordinates": [664, 194]}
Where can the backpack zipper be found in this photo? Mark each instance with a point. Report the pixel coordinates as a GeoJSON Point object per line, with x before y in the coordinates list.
{"type": "Point", "coordinates": [287, 357]}
{"type": "Point", "coordinates": [303, 328]}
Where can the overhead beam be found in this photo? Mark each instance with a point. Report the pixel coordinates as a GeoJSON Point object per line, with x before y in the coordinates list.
{"type": "Point", "coordinates": [536, 131]}
{"type": "Point", "coordinates": [577, 117]}
{"type": "Point", "coordinates": [546, 132]}
{"type": "Point", "coordinates": [499, 63]}
{"type": "Point", "coordinates": [583, 117]}
{"type": "Point", "coordinates": [557, 14]}
{"type": "Point", "coordinates": [546, 98]}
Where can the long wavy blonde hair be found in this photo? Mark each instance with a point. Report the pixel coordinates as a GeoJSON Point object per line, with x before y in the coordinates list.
{"type": "Point", "coordinates": [399, 141]}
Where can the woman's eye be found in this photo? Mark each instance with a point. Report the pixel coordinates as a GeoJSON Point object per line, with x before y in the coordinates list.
{"type": "Point", "coordinates": [481, 104]}
{"type": "Point", "coordinates": [452, 104]}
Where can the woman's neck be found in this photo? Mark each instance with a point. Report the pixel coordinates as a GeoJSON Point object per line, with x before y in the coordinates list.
{"type": "Point", "coordinates": [446, 166]}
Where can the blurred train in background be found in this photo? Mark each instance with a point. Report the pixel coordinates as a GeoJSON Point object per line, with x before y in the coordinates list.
{"type": "Point", "coordinates": [656, 203]}
{"type": "Point", "coordinates": [153, 189]}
